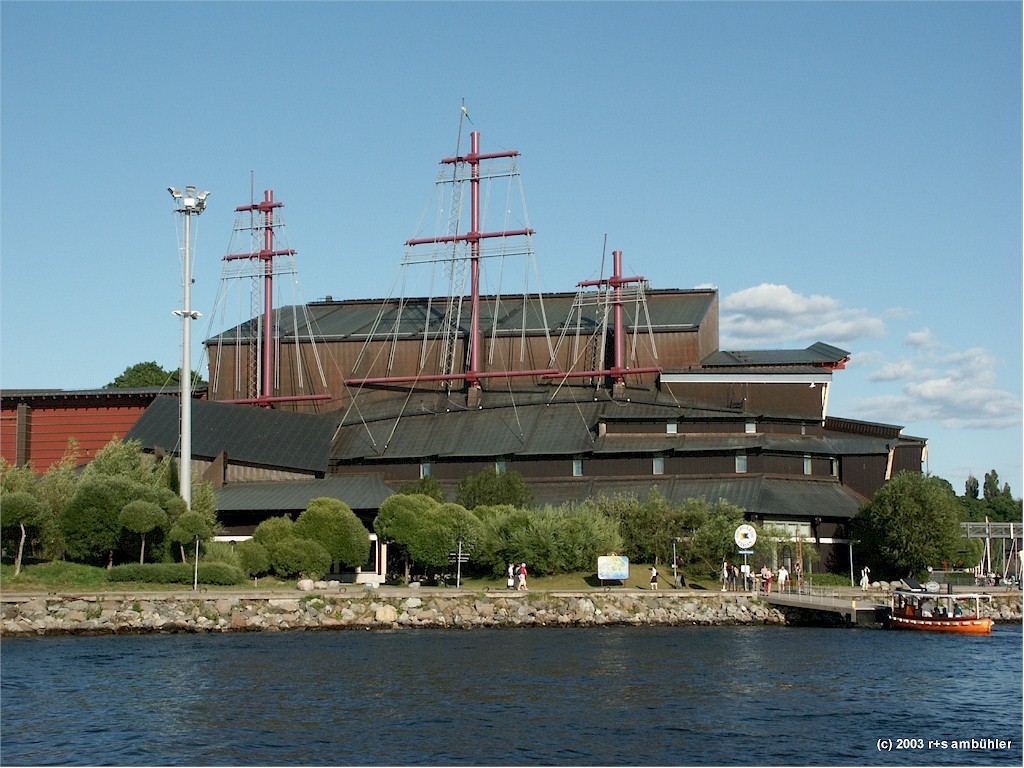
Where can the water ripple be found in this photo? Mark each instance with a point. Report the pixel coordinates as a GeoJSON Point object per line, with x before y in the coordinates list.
{"type": "Point", "coordinates": [610, 696]}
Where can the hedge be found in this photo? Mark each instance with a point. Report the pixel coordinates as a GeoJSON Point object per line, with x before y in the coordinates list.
{"type": "Point", "coordinates": [218, 574]}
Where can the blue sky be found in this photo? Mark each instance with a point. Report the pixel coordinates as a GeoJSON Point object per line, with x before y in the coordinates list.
{"type": "Point", "coordinates": [842, 172]}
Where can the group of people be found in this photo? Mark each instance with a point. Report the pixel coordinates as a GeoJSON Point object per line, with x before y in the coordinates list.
{"type": "Point", "coordinates": [732, 577]}
{"type": "Point", "coordinates": [516, 577]}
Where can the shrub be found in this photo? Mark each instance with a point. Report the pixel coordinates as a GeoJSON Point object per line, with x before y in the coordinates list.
{"type": "Point", "coordinates": [90, 523]}
{"type": "Point", "coordinates": [299, 557]}
{"type": "Point", "coordinates": [253, 557]}
{"type": "Point", "coordinates": [142, 517]}
{"type": "Point", "coordinates": [152, 573]}
{"type": "Point", "coordinates": [332, 524]}
{"type": "Point", "coordinates": [550, 540]}
{"type": "Point", "coordinates": [273, 530]}
{"type": "Point", "coordinates": [219, 574]}
{"type": "Point", "coordinates": [490, 488]}
{"type": "Point", "coordinates": [220, 552]}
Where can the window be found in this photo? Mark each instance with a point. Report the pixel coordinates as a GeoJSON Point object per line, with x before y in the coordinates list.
{"type": "Point", "coordinates": [659, 465]}
{"type": "Point", "coordinates": [671, 428]}
{"type": "Point", "coordinates": [499, 467]}
{"type": "Point", "coordinates": [424, 469]}
{"type": "Point", "coordinates": [835, 467]}
{"type": "Point", "coordinates": [807, 464]}
{"type": "Point", "coordinates": [750, 427]}
{"type": "Point", "coordinates": [577, 467]}
{"type": "Point", "coordinates": [741, 463]}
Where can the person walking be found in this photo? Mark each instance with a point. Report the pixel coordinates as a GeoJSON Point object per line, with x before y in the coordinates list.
{"type": "Point", "coordinates": [510, 582]}
{"type": "Point", "coordinates": [654, 577]}
{"type": "Point", "coordinates": [725, 574]}
{"type": "Point", "coordinates": [522, 577]}
{"type": "Point", "coordinates": [865, 578]}
{"type": "Point", "coordinates": [783, 576]}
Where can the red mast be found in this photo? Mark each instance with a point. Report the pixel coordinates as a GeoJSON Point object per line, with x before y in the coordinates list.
{"type": "Point", "coordinates": [267, 255]}
{"type": "Point", "coordinates": [618, 370]}
{"type": "Point", "coordinates": [474, 373]}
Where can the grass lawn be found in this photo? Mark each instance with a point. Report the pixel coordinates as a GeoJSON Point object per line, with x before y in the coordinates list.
{"type": "Point", "coordinates": [639, 578]}
{"type": "Point", "coordinates": [73, 577]}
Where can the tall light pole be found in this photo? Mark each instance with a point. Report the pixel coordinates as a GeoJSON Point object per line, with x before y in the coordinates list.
{"type": "Point", "coordinates": [188, 205]}
{"type": "Point", "coordinates": [675, 574]}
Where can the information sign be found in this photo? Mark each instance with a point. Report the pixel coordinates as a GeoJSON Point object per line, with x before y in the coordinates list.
{"type": "Point", "coordinates": [611, 567]}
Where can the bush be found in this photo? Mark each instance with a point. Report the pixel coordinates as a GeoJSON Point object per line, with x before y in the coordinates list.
{"type": "Point", "coordinates": [299, 557]}
{"type": "Point", "coordinates": [550, 540]}
{"type": "Point", "coordinates": [272, 530]}
{"type": "Point", "coordinates": [253, 557]}
{"type": "Point", "coordinates": [488, 488]}
{"type": "Point", "coordinates": [332, 524]}
{"type": "Point", "coordinates": [220, 552]}
{"type": "Point", "coordinates": [217, 574]}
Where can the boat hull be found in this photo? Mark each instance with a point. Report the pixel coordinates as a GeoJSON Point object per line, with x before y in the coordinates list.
{"type": "Point", "coordinates": [960, 625]}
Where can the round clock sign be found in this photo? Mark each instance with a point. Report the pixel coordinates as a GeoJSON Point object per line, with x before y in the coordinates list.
{"type": "Point", "coordinates": [746, 536]}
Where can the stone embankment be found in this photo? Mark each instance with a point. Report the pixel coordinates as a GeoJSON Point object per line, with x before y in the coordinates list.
{"type": "Point", "coordinates": [371, 609]}
{"type": "Point", "coordinates": [335, 607]}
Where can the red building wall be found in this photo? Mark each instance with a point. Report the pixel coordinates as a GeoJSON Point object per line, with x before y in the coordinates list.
{"type": "Point", "coordinates": [36, 427]}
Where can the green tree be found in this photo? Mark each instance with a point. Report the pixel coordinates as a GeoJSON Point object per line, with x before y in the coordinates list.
{"type": "Point", "coordinates": [299, 557]}
{"type": "Point", "coordinates": [332, 524]}
{"type": "Point", "coordinates": [123, 458]}
{"type": "Point", "coordinates": [150, 374]}
{"type": "Point", "coordinates": [56, 489]}
{"type": "Point", "coordinates": [89, 523]}
{"type": "Point", "coordinates": [14, 479]}
{"type": "Point", "coordinates": [911, 522]}
{"type": "Point", "coordinates": [187, 527]}
{"type": "Point", "coordinates": [991, 487]}
{"type": "Point", "coordinates": [253, 557]}
{"type": "Point", "coordinates": [971, 487]}
{"type": "Point", "coordinates": [23, 511]}
{"type": "Point", "coordinates": [550, 540]}
{"type": "Point", "coordinates": [649, 527]}
{"type": "Point", "coordinates": [714, 540]}
{"type": "Point", "coordinates": [400, 521]}
{"type": "Point", "coordinates": [437, 531]}
{"type": "Point", "coordinates": [428, 486]}
{"type": "Point", "coordinates": [490, 488]}
{"type": "Point", "coordinates": [141, 517]}
{"type": "Point", "coordinates": [273, 530]}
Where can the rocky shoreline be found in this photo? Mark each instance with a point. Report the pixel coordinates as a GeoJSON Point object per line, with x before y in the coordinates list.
{"type": "Point", "coordinates": [336, 608]}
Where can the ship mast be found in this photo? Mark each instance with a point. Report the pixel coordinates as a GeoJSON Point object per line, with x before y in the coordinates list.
{"type": "Point", "coordinates": [473, 373]}
{"type": "Point", "coordinates": [266, 256]}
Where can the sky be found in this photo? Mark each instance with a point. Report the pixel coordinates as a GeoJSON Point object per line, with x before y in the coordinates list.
{"type": "Point", "coordinates": [842, 172]}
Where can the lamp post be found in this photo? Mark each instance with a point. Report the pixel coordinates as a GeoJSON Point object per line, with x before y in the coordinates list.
{"type": "Point", "coordinates": [188, 205]}
{"type": "Point", "coordinates": [195, 576]}
{"type": "Point", "coordinates": [458, 566]}
{"type": "Point", "coordinates": [675, 575]}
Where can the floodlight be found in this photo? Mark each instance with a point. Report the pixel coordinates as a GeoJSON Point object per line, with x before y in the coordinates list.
{"type": "Point", "coordinates": [175, 193]}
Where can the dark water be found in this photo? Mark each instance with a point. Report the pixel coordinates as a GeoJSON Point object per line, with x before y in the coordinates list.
{"type": "Point", "coordinates": [610, 696]}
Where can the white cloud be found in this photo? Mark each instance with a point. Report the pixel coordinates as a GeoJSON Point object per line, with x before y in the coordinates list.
{"type": "Point", "coordinates": [956, 390]}
{"type": "Point", "coordinates": [774, 315]}
{"type": "Point", "coordinates": [922, 338]}
{"type": "Point", "coordinates": [900, 369]}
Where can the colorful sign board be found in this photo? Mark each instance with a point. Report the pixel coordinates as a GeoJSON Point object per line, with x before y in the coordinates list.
{"type": "Point", "coordinates": [611, 567]}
